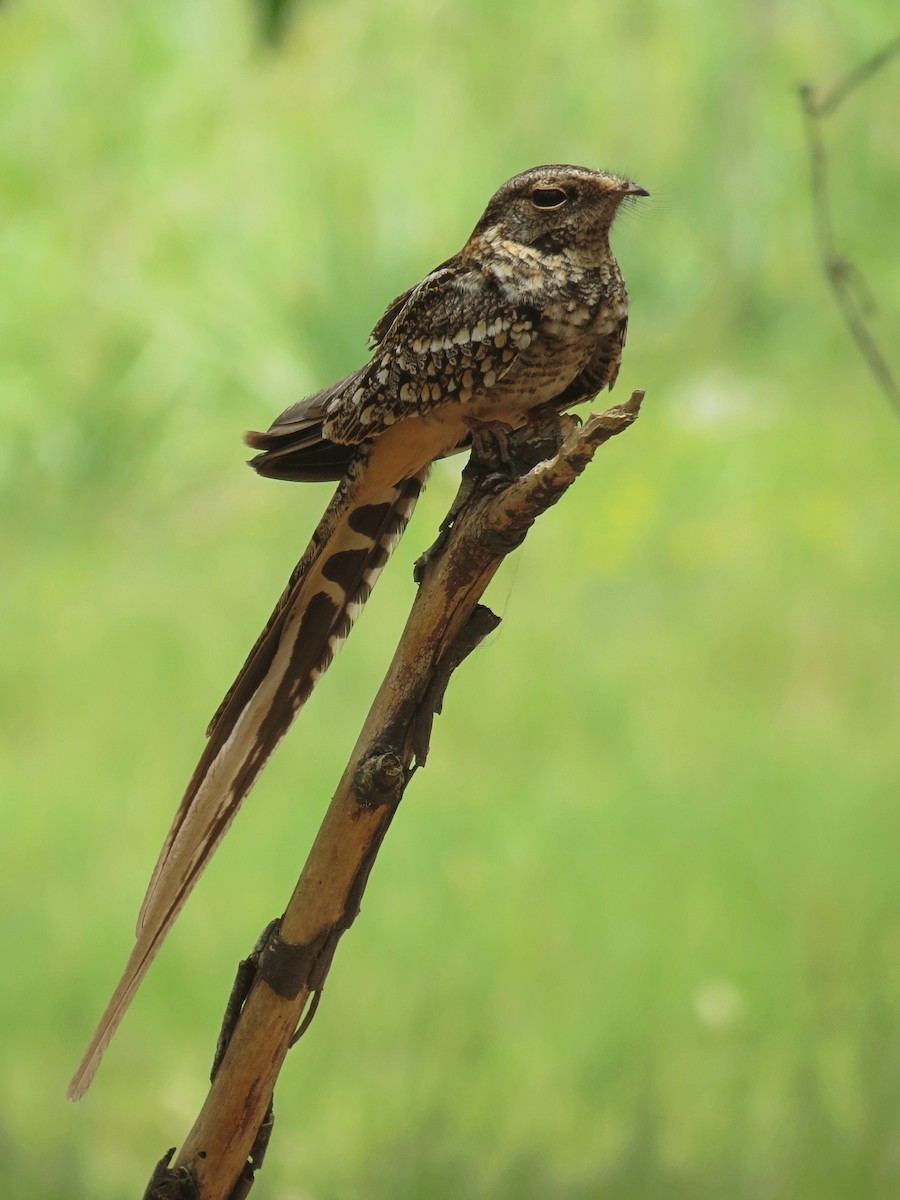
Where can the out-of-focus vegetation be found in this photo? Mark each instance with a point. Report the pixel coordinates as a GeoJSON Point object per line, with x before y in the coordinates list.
{"type": "Point", "coordinates": [636, 931]}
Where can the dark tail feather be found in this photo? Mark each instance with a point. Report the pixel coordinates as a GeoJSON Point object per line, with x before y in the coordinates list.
{"type": "Point", "coordinates": [296, 446]}
{"type": "Point", "coordinates": [306, 464]}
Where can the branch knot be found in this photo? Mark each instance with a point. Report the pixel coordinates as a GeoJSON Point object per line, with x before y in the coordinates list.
{"type": "Point", "coordinates": [379, 780]}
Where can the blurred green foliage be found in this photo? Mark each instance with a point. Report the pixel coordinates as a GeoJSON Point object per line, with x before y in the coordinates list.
{"type": "Point", "coordinates": [636, 933]}
{"type": "Point", "coordinates": [274, 18]}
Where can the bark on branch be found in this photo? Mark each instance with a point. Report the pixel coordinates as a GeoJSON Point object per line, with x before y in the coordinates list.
{"type": "Point", "coordinates": [287, 972]}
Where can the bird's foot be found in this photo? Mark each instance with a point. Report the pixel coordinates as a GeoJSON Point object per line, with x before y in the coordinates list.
{"type": "Point", "coordinates": [490, 443]}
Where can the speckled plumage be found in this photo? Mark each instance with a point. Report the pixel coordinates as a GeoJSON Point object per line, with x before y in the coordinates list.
{"type": "Point", "coordinates": [531, 312]}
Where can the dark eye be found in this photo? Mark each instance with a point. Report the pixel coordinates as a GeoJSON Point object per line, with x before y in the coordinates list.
{"type": "Point", "coordinates": [548, 197]}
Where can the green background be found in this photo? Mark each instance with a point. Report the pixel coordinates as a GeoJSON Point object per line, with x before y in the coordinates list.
{"type": "Point", "coordinates": [636, 930]}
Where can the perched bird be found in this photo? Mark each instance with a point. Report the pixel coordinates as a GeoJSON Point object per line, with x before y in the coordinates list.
{"type": "Point", "coordinates": [530, 313]}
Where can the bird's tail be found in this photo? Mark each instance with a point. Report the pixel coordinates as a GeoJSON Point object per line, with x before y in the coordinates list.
{"type": "Point", "coordinates": [323, 597]}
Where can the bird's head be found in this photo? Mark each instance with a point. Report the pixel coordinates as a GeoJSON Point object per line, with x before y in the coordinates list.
{"type": "Point", "coordinates": [556, 207]}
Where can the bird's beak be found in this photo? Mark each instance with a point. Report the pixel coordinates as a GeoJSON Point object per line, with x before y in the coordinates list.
{"type": "Point", "coordinates": [632, 189]}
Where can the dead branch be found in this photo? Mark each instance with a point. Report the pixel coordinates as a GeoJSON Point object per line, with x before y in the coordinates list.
{"type": "Point", "coordinates": [287, 971]}
{"type": "Point", "coordinates": [844, 277]}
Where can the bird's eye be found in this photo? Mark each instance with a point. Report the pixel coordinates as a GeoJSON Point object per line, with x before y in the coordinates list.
{"type": "Point", "coordinates": [548, 197]}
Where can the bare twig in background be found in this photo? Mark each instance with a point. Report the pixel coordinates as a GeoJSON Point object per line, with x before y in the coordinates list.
{"type": "Point", "coordinates": [288, 968]}
{"type": "Point", "coordinates": [853, 296]}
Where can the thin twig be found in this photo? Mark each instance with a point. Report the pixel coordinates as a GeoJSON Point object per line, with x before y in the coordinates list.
{"type": "Point", "coordinates": [855, 78]}
{"type": "Point", "coordinates": [846, 280]}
